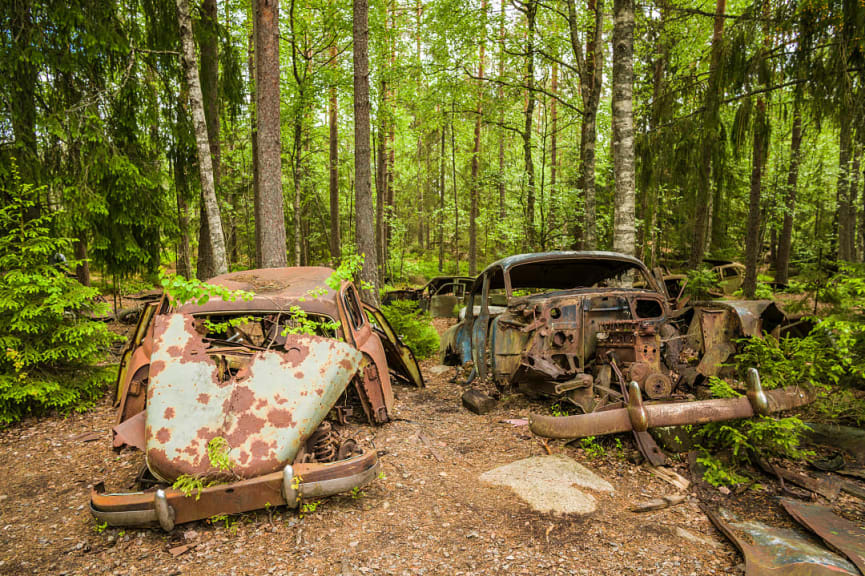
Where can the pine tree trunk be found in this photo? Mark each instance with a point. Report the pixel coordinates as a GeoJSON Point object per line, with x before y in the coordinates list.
{"type": "Point", "coordinates": [475, 193]}
{"type": "Point", "coordinates": [205, 165]}
{"type": "Point", "coordinates": [842, 215]}
{"type": "Point", "coordinates": [707, 144]}
{"type": "Point", "coordinates": [364, 217]}
{"type": "Point", "coordinates": [298, 181]}
{"type": "Point", "coordinates": [335, 239]}
{"type": "Point", "coordinates": [785, 240]}
{"type": "Point", "coordinates": [624, 236]}
{"type": "Point", "coordinates": [852, 199]}
{"type": "Point", "coordinates": [82, 270]}
{"type": "Point", "coordinates": [23, 103]}
{"type": "Point", "coordinates": [269, 206]}
{"type": "Point", "coordinates": [554, 208]}
{"type": "Point", "coordinates": [441, 229]}
{"type": "Point", "coordinates": [501, 175]}
{"type": "Point", "coordinates": [253, 127]}
{"type": "Point", "coordinates": [752, 231]}
{"type": "Point", "coordinates": [592, 75]}
{"type": "Point", "coordinates": [531, 13]}
{"type": "Point", "coordinates": [421, 220]}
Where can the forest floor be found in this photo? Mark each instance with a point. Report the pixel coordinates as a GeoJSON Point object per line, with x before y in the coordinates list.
{"type": "Point", "coordinates": [430, 514]}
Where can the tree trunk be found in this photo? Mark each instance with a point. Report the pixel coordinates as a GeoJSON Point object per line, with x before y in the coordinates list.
{"type": "Point", "coordinates": [335, 240]}
{"type": "Point", "coordinates": [364, 218]}
{"type": "Point", "coordinates": [253, 126]}
{"type": "Point", "coordinates": [785, 241]}
{"type": "Point", "coordinates": [380, 183]}
{"type": "Point", "coordinates": [501, 175]}
{"type": "Point", "coordinates": [298, 180]}
{"type": "Point", "coordinates": [843, 190]}
{"type": "Point", "coordinates": [531, 13]}
{"type": "Point", "coordinates": [82, 270]}
{"type": "Point", "coordinates": [852, 200]}
{"type": "Point", "coordinates": [624, 236]}
{"type": "Point", "coordinates": [709, 134]}
{"type": "Point", "coordinates": [456, 245]}
{"type": "Point", "coordinates": [441, 228]}
{"type": "Point", "coordinates": [211, 205]}
{"type": "Point", "coordinates": [421, 208]}
{"type": "Point", "coordinates": [475, 193]}
{"type": "Point", "coordinates": [269, 208]}
{"type": "Point", "coordinates": [184, 264]}
{"type": "Point", "coordinates": [554, 209]}
{"type": "Point", "coordinates": [591, 80]}
{"type": "Point", "coordinates": [23, 102]}
{"type": "Point", "coordinates": [208, 41]}
{"type": "Point", "coordinates": [752, 233]}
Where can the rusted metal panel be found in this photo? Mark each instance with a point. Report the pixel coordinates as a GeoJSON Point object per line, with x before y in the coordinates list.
{"type": "Point", "coordinates": [443, 306]}
{"type": "Point", "coordinates": [838, 533]}
{"type": "Point", "coordinates": [772, 551]}
{"type": "Point", "coordinates": [264, 411]}
{"type": "Point", "coordinates": [400, 358]}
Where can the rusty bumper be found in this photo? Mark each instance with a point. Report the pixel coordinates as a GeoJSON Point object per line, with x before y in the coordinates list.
{"type": "Point", "coordinates": [168, 507]}
{"type": "Point", "coordinates": [639, 418]}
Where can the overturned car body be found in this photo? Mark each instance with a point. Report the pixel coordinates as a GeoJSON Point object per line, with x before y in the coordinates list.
{"type": "Point", "coordinates": [440, 296]}
{"type": "Point", "coordinates": [250, 374]}
{"type": "Point", "coordinates": [581, 326]}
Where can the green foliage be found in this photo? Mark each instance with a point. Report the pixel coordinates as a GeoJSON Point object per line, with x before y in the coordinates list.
{"type": "Point", "coordinates": [721, 388]}
{"type": "Point", "coordinates": [591, 447]}
{"type": "Point", "coordinates": [718, 473]}
{"type": "Point", "coordinates": [218, 451]}
{"type": "Point", "coordinates": [762, 292]}
{"type": "Point", "coordinates": [180, 290]}
{"type": "Point", "coordinates": [51, 353]}
{"type": "Point", "coordinates": [413, 326]}
{"type": "Point", "coordinates": [348, 271]}
{"type": "Point", "coordinates": [309, 507]}
{"type": "Point", "coordinates": [222, 327]}
{"type": "Point", "coordinates": [701, 282]}
{"type": "Point", "coordinates": [301, 323]}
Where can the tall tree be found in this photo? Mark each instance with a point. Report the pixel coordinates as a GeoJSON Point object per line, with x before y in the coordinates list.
{"type": "Point", "coordinates": [269, 209]}
{"type": "Point", "coordinates": [333, 158]}
{"type": "Point", "coordinates": [205, 166]}
{"type": "Point", "coordinates": [530, 8]}
{"type": "Point", "coordinates": [475, 190]}
{"type": "Point", "coordinates": [786, 239]}
{"type": "Point", "coordinates": [208, 42]}
{"type": "Point", "coordinates": [708, 138]}
{"type": "Point", "coordinates": [364, 216]}
{"type": "Point", "coordinates": [624, 236]}
{"type": "Point", "coordinates": [591, 72]}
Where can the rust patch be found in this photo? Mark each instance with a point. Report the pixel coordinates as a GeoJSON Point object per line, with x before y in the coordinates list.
{"type": "Point", "coordinates": [299, 374]}
{"type": "Point", "coordinates": [169, 414]}
{"type": "Point", "coordinates": [164, 435]}
{"type": "Point", "coordinates": [241, 400]}
{"type": "Point", "coordinates": [204, 398]}
{"type": "Point", "coordinates": [319, 391]}
{"type": "Point", "coordinates": [281, 418]}
{"type": "Point", "coordinates": [247, 425]}
{"type": "Point", "coordinates": [345, 363]}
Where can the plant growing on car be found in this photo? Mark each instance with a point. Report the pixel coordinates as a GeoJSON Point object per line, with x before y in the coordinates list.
{"type": "Point", "coordinates": [701, 282]}
{"type": "Point", "coordinates": [181, 291]}
{"type": "Point", "coordinates": [51, 352]}
{"type": "Point", "coordinates": [218, 453]}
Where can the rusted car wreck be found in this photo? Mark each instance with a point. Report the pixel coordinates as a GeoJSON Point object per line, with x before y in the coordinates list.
{"type": "Point", "coordinates": [249, 374]}
{"type": "Point", "coordinates": [440, 296]}
{"type": "Point", "coordinates": [595, 329]}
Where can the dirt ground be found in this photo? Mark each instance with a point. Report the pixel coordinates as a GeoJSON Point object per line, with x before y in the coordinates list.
{"type": "Point", "coordinates": [430, 514]}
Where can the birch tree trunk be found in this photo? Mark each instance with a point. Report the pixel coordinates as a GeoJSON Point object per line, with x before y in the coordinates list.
{"type": "Point", "coordinates": [624, 236]}
{"type": "Point", "coordinates": [531, 8]}
{"type": "Point", "coordinates": [269, 209]}
{"type": "Point", "coordinates": [205, 165]}
{"type": "Point", "coordinates": [364, 216]}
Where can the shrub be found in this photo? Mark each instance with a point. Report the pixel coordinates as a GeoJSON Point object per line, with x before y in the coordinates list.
{"type": "Point", "coordinates": [701, 282]}
{"type": "Point", "coordinates": [413, 326]}
{"type": "Point", "coordinates": [50, 350]}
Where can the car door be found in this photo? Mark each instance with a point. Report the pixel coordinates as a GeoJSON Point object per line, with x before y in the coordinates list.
{"type": "Point", "coordinates": [400, 358]}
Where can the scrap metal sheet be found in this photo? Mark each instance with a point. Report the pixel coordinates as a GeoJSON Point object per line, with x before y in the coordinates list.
{"type": "Point", "coordinates": [838, 533]}
{"type": "Point", "coordinates": [771, 551]}
{"type": "Point", "coordinates": [264, 411]}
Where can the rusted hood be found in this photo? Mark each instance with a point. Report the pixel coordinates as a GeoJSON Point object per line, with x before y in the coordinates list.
{"type": "Point", "coordinates": [264, 410]}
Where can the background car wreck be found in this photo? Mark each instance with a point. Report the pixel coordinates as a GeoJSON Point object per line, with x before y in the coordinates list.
{"type": "Point", "coordinates": [441, 296]}
{"type": "Point", "coordinates": [242, 371]}
{"type": "Point", "coordinates": [581, 326]}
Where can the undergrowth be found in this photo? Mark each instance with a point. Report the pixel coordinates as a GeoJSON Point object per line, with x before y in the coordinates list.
{"type": "Point", "coordinates": [413, 326]}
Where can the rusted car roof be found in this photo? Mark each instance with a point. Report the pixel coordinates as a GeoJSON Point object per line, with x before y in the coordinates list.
{"type": "Point", "coordinates": [274, 288]}
{"type": "Point", "coordinates": [516, 259]}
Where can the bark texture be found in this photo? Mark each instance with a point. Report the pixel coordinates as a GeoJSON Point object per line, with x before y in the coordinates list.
{"type": "Point", "coordinates": [752, 231]}
{"type": "Point", "coordinates": [208, 36]}
{"type": "Point", "coordinates": [269, 208]}
{"type": "Point", "coordinates": [531, 8]}
{"type": "Point", "coordinates": [335, 235]}
{"type": "Point", "coordinates": [782, 264]}
{"type": "Point", "coordinates": [205, 165]}
{"type": "Point", "coordinates": [624, 237]}
{"type": "Point", "coordinates": [475, 193]}
{"type": "Point", "coordinates": [364, 232]}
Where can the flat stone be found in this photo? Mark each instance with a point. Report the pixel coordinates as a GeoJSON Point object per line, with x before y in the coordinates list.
{"type": "Point", "coordinates": [551, 483]}
{"type": "Point", "coordinates": [439, 369]}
